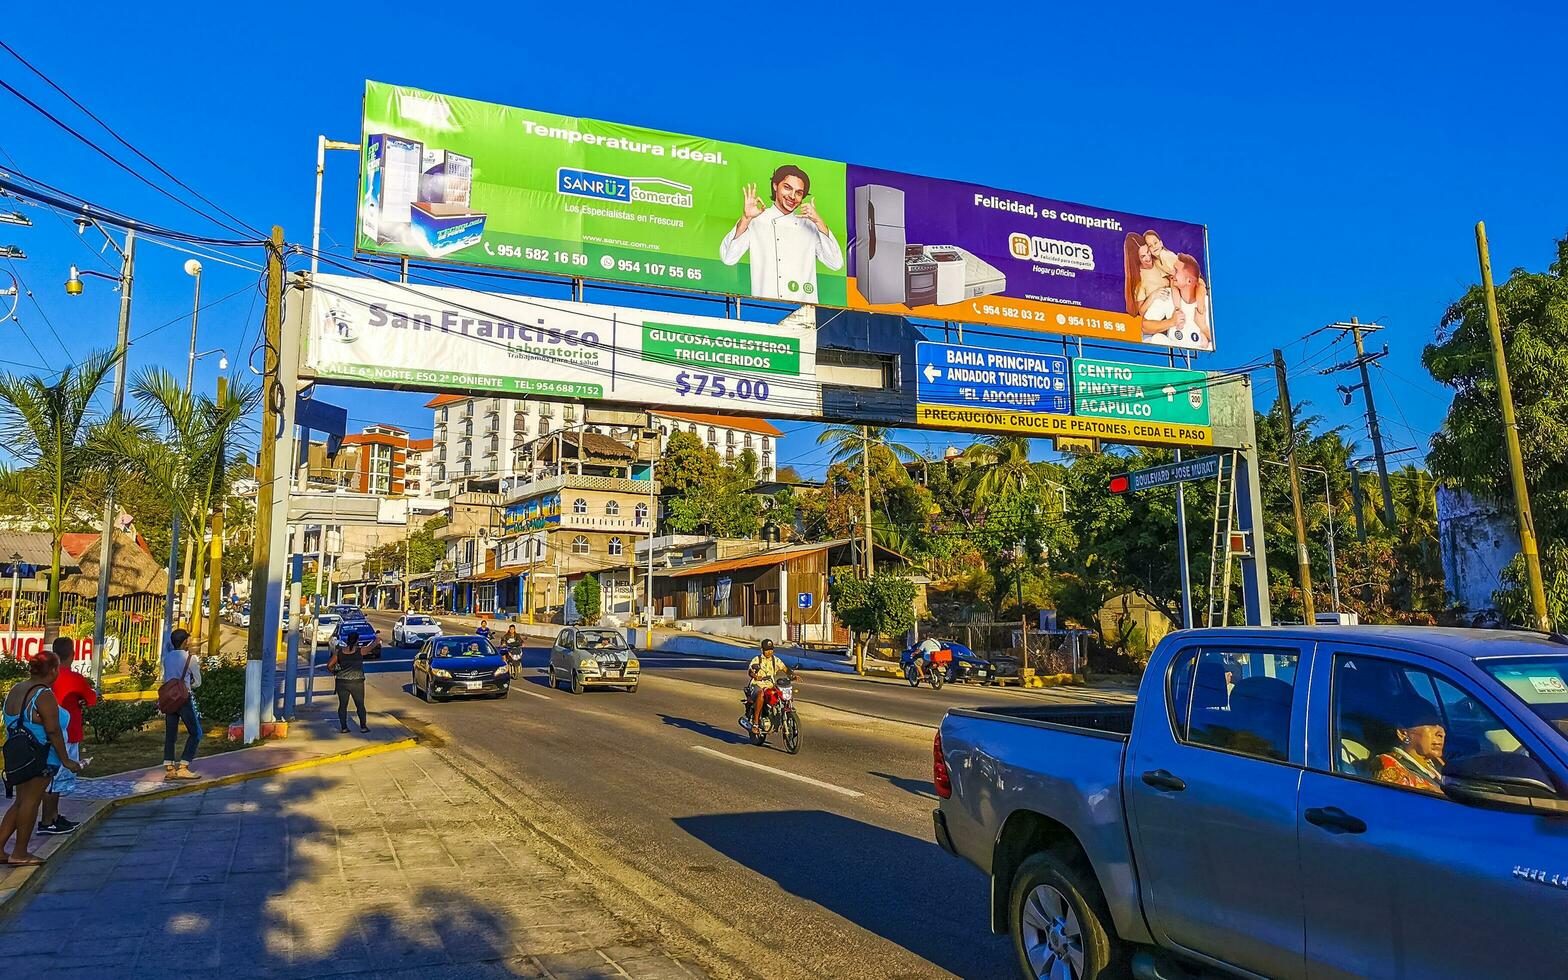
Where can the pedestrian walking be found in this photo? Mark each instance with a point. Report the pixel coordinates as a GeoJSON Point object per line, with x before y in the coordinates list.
{"type": "Point", "coordinates": [34, 751]}
{"type": "Point", "coordinates": [348, 667]}
{"type": "Point", "coordinates": [177, 701]}
{"type": "Point", "coordinates": [74, 693]}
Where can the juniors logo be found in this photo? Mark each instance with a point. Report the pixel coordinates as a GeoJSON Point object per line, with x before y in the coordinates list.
{"type": "Point", "coordinates": [612, 187]}
{"type": "Point", "coordinates": [1050, 251]}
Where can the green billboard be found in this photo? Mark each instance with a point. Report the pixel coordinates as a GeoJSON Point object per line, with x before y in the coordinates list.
{"type": "Point", "coordinates": [484, 184]}
{"type": "Point", "coordinates": [1139, 392]}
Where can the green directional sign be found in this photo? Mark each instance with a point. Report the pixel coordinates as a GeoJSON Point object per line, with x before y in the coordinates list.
{"type": "Point", "coordinates": [1139, 392]}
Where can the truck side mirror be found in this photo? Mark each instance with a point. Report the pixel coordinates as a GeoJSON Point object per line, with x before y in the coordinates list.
{"type": "Point", "coordinates": [1503, 781]}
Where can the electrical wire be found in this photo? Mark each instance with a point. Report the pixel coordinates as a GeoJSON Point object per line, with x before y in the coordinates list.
{"type": "Point", "coordinates": [22, 284]}
{"type": "Point", "coordinates": [114, 159]}
{"type": "Point", "coordinates": [55, 197]}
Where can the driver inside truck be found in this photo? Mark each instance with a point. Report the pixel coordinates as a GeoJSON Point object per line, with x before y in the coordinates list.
{"type": "Point", "coordinates": [1416, 760]}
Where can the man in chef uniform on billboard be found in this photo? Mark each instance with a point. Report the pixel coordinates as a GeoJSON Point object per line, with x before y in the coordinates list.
{"type": "Point", "coordinates": [786, 239]}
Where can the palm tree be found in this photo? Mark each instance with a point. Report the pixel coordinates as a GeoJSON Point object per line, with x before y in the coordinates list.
{"type": "Point", "coordinates": [190, 461]}
{"type": "Point", "coordinates": [45, 423]}
{"type": "Point", "coordinates": [1000, 466]}
{"type": "Point", "coordinates": [849, 444]}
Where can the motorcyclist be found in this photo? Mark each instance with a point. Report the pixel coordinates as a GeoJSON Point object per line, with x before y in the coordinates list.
{"type": "Point", "coordinates": [512, 644]}
{"type": "Point", "coordinates": [923, 654]}
{"type": "Point", "coordinates": [764, 670]}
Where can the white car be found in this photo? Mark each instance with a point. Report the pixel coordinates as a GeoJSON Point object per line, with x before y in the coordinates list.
{"type": "Point", "coordinates": [326, 628]}
{"type": "Point", "coordinates": [414, 629]}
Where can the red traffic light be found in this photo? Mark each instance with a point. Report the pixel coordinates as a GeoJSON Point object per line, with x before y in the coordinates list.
{"type": "Point", "coordinates": [1120, 484]}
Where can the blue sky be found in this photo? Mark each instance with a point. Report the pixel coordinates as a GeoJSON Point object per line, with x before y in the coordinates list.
{"type": "Point", "coordinates": [1340, 158]}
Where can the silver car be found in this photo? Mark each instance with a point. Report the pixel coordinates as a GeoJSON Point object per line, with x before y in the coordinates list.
{"type": "Point", "coordinates": [414, 629]}
{"type": "Point", "coordinates": [582, 658]}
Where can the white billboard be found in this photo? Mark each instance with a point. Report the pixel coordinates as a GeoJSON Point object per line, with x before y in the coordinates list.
{"type": "Point", "coordinates": [441, 338]}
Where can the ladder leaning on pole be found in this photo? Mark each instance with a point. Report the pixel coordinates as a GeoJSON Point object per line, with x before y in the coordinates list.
{"type": "Point", "coordinates": [1220, 553]}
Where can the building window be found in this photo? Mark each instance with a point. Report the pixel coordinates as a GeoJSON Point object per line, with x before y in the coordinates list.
{"type": "Point", "coordinates": [642, 513]}
{"type": "Point", "coordinates": [579, 506]}
{"type": "Point", "coordinates": [692, 428]}
{"type": "Point", "coordinates": [616, 547]}
{"type": "Point", "coordinates": [729, 436]}
{"type": "Point", "coordinates": [544, 425]}
{"type": "Point", "coordinates": [748, 440]}
{"type": "Point", "coordinates": [569, 413]}
{"type": "Point", "coordinates": [580, 545]}
{"type": "Point", "coordinates": [612, 507]}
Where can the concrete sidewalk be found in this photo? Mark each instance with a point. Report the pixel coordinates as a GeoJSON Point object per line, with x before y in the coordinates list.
{"type": "Point", "coordinates": [313, 739]}
{"type": "Point", "coordinates": [390, 866]}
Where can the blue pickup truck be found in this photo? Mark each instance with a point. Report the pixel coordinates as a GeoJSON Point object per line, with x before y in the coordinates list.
{"type": "Point", "coordinates": [1312, 802]}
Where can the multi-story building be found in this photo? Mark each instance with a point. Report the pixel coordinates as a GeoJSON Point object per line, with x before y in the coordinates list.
{"type": "Point", "coordinates": [489, 438]}
{"type": "Point", "coordinates": [420, 452]}
{"type": "Point", "coordinates": [374, 461]}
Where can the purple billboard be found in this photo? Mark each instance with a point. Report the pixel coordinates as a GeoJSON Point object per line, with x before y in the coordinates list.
{"type": "Point", "coordinates": [948, 250]}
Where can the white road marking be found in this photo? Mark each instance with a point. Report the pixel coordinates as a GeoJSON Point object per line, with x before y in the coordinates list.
{"type": "Point", "coordinates": [524, 689]}
{"type": "Point", "coordinates": [778, 772]}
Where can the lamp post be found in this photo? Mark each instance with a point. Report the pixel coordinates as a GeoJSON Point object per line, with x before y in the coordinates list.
{"type": "Point", "coordinates": [73, 287]}
{"type": "Point", "coordinates": [16, 594]}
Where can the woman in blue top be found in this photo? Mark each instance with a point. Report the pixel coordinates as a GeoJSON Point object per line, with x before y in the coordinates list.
{"type": "Point", "coordinates": [32, 705]}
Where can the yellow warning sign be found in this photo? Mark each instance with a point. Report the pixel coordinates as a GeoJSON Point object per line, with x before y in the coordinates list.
{"type": "Point", "coordinates": [1043, 425]}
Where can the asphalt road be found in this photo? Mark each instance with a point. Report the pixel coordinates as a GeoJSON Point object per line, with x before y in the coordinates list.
{"type": "Point", "coordinates": [826, 858]}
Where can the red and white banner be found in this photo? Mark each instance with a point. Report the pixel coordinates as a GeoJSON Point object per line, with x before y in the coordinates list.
{"type": "Point", "coordinates": [30, 642]}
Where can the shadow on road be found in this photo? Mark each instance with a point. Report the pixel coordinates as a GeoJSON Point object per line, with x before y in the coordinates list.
{"type": "Point", "coordinates": [705, 730]}
{"type": "Point", "coordinates": [917, 787]}
{"type": "Point", "coordinates": [904, 889]}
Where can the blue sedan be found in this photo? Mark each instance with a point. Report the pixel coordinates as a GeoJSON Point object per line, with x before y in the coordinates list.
{"type": "Point", "coordinates": [460, 666]}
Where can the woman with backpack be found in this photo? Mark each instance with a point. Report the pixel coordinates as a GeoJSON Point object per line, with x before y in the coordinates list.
{"type": "Point", "coordinates": [34, 751]}
{"type": "Point", "coordinates": [177, 701]}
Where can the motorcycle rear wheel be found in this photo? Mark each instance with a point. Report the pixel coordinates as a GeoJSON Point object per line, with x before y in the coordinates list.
{"type": "Point", "coordinates": [937, 678]}
{"type": "Point", "coordinates": [791, 733]}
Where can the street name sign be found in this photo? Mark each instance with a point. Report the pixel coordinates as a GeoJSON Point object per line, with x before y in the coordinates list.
{"type": "Point", "coordinates": [1199, 468]}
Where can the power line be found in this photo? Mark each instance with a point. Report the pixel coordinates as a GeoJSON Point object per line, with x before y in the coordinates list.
{"type": "Point", "coordinates": [55, 197]}
{"type": "Point", "coordinates": [116, 160]}
{"type": "Point", "coordinates": [39, 307]}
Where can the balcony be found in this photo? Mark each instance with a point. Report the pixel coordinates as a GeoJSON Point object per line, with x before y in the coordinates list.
{"type": "Point", "coordinates": [571, 481]}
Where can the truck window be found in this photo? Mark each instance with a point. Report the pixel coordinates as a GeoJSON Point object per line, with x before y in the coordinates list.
{"type": "Point", "coordinates": [1234, 699]}
{"type": "Point", "coordinates": [1401, 725]}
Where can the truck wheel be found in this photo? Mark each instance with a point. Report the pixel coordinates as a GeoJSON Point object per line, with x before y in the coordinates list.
{"type": "Point", "coordinates": [1058, 922]}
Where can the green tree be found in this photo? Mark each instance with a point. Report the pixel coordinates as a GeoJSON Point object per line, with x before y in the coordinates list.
{"type": "Point", "coordinates": [1000, 465]}
{"type": "Point", "coordinates": [685, 463]}
{"type": "Point", "coordinates": [45, 423]}
{"type": "Point", "coordinates": [708, 496]}
{"type": "Point", "coordinates": [1513, 598]}
{"type": "Point", "coordinates": [849, 444]}
{"type": "Point", "coordinates": [586, 595]}
{"type": "Point", "coordinates": [883, 605]}
{"type": "Point", "coordinates": [1468, 450]}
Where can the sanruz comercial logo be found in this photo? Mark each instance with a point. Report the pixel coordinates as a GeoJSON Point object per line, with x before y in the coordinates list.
{"type": "Point", "coordinates": [612, 187]}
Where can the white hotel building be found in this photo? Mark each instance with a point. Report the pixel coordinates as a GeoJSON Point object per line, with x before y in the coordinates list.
{"type": "Point", "coordinates": [477, 437]}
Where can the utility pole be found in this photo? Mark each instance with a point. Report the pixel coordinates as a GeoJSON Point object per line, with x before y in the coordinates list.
{"type": "Point", "coordinates": [1505, 397]}
{"type": "Point", "coordinates": [1355, 496]}
{"type": "Point", "coordinates": [1362, 359]}
{"type": "Point", "coordinates": [1303, 563]}
{"type": "Point", "coordinates": [260, 645]}
{"type": "Point", "coordinates": [865, 471]}
{"type": "Point", "coordinates": [106, 545]}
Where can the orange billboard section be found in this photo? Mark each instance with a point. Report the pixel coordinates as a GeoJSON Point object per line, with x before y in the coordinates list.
{"type": "Point", "coordinates": [1019, 314]}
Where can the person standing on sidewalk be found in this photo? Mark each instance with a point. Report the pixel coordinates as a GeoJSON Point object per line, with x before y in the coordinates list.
{"type": "Point", "coordinates": [348, 667]}
{"type": "Point", "coordinates": [31, 712]}
{"type": "Point", "coordinates": [178, 664]}
{"type": "Point", "coordinates": [74, 693]}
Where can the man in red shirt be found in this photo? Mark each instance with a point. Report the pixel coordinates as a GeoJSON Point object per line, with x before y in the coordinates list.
{"type": "Point", "coordinates": [74, 692]}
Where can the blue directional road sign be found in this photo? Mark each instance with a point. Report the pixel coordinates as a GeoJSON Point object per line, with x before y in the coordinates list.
{"type": "Point", "coordinates": [805, 600]}
{"type": "Point", "coordinates": [1200, 468]}
{"type": "Point", "coordinates": [983, 377]}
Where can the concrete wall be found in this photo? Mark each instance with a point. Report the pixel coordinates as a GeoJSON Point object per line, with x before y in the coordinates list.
{"type": "Point", "coordinates": [1478, 539]}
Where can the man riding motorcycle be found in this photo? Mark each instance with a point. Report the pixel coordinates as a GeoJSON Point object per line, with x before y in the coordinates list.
{"type": "Point", "coordinates": [763, 670]}
{"type": "Point", "coordinates": [924, 654]}
{"type": "Point", "coordinates": [512, 646]}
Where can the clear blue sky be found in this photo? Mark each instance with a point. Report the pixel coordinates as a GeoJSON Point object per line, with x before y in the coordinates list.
{"type": "Point", "coordinates": [1339, 156]}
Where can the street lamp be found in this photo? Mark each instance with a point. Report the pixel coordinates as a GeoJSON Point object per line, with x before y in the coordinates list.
{"type": "Point", "coordinates": [193, 269]}
{"type": "Point", "coordinates": [73, 287]}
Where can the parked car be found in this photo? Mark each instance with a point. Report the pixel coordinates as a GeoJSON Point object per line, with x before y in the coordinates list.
{"type": "Point", "coordinates": [1280, 802]}
{"type": "Point", "coordinates": [414, 629]}
{"type": "Point", "coordinates": [460, 666]}
{"type": "Point", "coordinates": [241, 616]}
{"type": "Point", "coordinates": [965, 664]}
{"type": "Point", "coordinates": [584, 657]}
{"type": "Point", "coordinates": [348, 610]}
{"type": "Point", "coordinates": [369, 639]}
{"type": "Point", "coordinates": [327, 628]}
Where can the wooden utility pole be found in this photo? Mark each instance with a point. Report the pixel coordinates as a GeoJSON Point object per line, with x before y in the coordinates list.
{"type": "Point", "coordinates": [865, 471]}
{"type": "Point", "coordinates": [1390, 520]}
{"type": "Point", "coordinates": [1303, 563]}
{"type": "Point", "coordinates": [259, 645]}
{"type": "Point", "coordinates": [1505, 396]}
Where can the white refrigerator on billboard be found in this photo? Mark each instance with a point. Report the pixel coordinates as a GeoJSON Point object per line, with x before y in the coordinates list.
{"type": "Point", "coordinates": [879, 252]}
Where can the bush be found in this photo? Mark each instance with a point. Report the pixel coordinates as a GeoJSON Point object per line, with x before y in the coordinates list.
{"type": "Point", "coordinates": [145, 671]}
{"type": "Point", "coordinates": [111, 719]}
{"type": "Point", "coordinates": [586, 596]}
{"type": "Point", "coordinates": [221, 697]}
{"type": "Point", "coordinates": [11, 671]}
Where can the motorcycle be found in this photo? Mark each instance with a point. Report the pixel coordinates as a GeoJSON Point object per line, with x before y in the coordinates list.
{"type": "Point", "coordinates": [514, 656]}
{"type": "Point", "coordinates": [916, 670]}
{"type": "Point", "coordinates": [778, 715]}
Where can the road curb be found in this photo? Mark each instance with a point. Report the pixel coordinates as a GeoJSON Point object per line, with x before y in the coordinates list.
{"type": "Point", "coordinates": [32, 878]}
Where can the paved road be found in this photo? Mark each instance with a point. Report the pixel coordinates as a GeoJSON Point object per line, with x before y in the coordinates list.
{"type": "Point", "coordinates": [826, 856]}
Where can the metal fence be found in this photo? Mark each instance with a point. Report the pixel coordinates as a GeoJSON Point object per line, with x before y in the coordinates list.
{"type": "Point", "coordinates": [1048, 651]}
{"type": "Point", "coordinates": [136, 620]}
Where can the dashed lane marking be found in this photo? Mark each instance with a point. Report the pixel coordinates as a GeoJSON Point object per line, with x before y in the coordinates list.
{"type": "Point", "coordinates": [778, 772]}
